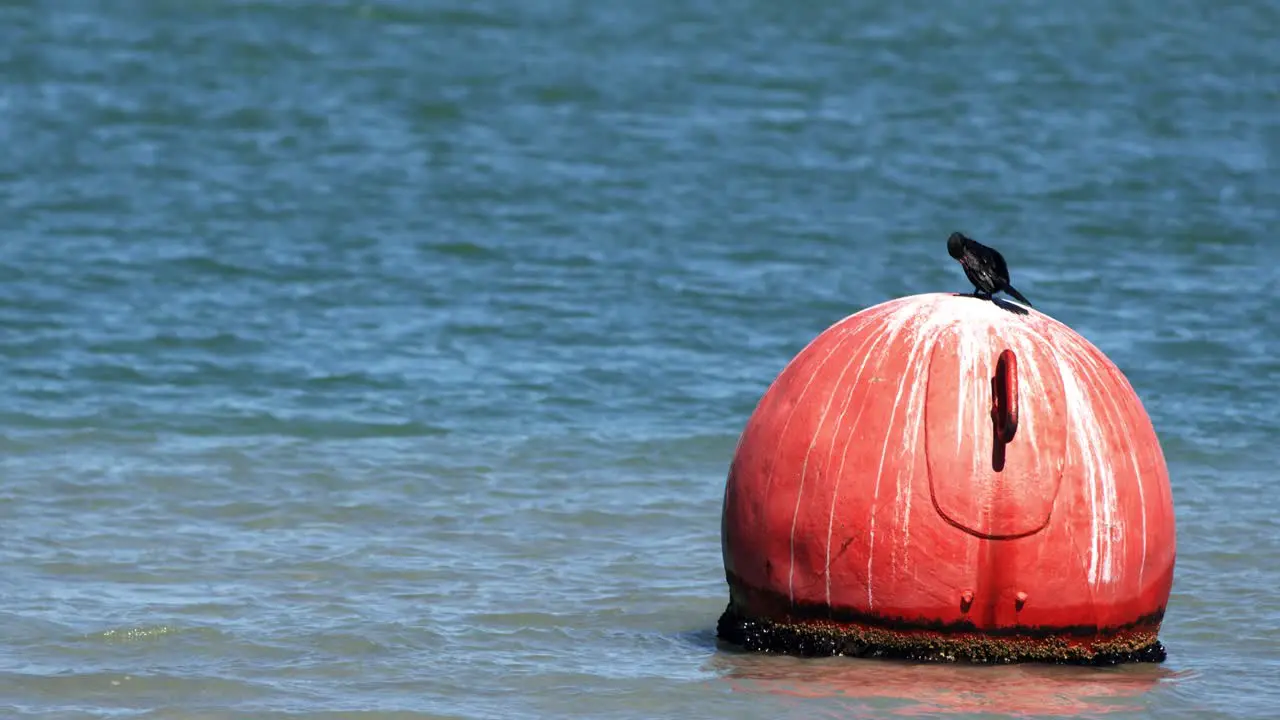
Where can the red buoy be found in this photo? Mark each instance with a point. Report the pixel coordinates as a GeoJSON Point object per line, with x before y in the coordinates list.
{"type": "Point", "coordinates": [946, 478]}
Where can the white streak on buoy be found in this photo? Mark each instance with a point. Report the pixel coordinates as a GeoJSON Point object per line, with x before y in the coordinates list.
{"type": "Point", "coordinates": [1118, 378]}
{"type": "Point", "coordinates": [900, 320]}
{"type": "Point", "coordinates": [1088, 442]}
{"type": "Point", "coordinates": [804, 466]}
{"type": "Point", "coordinates": [873, 338]}
{"type": "Point", "coordinates": [877, 349]}
{"type": "Point", "coordinates": [1107, 474]}
{"type": "Point", "coordinates": [782, 434]}
{"type": "Point", "coordinates": [926, 334]}
{"type": "Point", "coordinates": [1107, 377]}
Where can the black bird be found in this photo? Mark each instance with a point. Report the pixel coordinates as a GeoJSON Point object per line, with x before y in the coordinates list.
{"type": "Point", "coordinates": [984, 267]}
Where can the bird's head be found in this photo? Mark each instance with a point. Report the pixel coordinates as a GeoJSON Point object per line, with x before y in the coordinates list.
{"type": "Point", "coordinates": [955, 245]}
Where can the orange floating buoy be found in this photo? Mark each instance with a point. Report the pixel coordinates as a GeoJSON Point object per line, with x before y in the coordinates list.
{"type": "Point", "coordinates": [946, 478]}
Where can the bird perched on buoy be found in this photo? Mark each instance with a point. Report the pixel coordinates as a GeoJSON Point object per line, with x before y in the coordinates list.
{"type": "Point", "coordinates": [984, 266]}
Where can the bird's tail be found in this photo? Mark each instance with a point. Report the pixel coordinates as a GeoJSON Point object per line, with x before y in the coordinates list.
{"type": "Point", "coordinates": [1017, 295]}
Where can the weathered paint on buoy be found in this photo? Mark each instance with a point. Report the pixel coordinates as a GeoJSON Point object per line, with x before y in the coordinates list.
{"type": "Point", "coordinates": [943, 477]}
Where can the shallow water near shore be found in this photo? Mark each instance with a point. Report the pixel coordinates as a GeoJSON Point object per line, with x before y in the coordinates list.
{"type": "Point", "coordinates": [386, 359]}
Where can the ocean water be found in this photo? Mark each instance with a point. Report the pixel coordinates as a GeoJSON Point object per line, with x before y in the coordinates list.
{"type": "Point", "coordinates": [385, 359]}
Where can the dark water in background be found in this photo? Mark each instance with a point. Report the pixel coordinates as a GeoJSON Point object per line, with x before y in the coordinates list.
{"type": "Point", "coordinates": [385, 359]}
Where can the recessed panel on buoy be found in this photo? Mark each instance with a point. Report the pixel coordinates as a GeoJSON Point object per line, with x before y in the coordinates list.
{"type": "Point", "coordinates": [979, 483]}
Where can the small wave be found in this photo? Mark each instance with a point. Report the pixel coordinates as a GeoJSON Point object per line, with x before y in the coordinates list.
{"type": "Point", "coordinates": [134, 634]}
